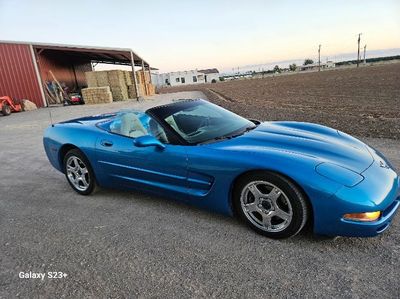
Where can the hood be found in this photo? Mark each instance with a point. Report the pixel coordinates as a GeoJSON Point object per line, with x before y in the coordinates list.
{"type": "Point", "coordinates": [312, 140]}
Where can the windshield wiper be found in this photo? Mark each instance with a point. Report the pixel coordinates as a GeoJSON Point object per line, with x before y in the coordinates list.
{"type": "Point", "coordinates": [247, 129]}
{"type": "Point", "coordinates": [230, 136]}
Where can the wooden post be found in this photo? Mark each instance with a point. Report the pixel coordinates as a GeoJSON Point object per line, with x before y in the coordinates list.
{"type": "Point", "coordinates": [134, 76]}
{"type": "Point", "coordinates": [143, 72]}
{"type": "Point", "coordinates": [150, 74]}
{"type": "Point", "coordinates": [144, 79]}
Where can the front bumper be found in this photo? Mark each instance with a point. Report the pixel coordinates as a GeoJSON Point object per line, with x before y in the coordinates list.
{"type": "Point", "coordinates": [379, 191]}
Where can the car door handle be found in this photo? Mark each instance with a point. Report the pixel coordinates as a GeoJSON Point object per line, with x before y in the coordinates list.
{"type": "Point", "coordinates": [106, 143]}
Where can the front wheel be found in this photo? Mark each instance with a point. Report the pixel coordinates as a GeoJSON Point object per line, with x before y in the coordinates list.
{"type": "Point", "coordinates": [270, 204]}
{"type": "Point", "coordinates": [6, 110]}
{"type": "Point", "coordinates": [78, 172]}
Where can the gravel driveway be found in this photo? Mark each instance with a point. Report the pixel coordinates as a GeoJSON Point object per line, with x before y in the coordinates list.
{"type": "Point", "coordinates": [126, 244]}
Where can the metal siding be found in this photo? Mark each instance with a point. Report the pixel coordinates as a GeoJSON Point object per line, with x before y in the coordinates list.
{"type": "Point", "coordinates": [62, 66]}
{"type": "Point", "coordinates": [17, 73]}
{"type": "Point", "coordinates": [80, 70]}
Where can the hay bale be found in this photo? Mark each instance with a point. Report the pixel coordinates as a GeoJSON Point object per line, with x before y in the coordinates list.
{"type": "Point", "coordinates": [142, 90]}
{"type": "Point", "coordinates": [119, 93]}
{"type": "Point", "coordinates": [28, 105]}
{"type": "Point", "coordinates": [129, 78]}
{"type": "Point", "coordinates": [102, 78]}
{"type": "Point", "coordinates": [150, 89]}
{"type": "Point", "coordinates": [116, 78]}
{"type": "Point", "coordinates": [91, 79]}
{"type": "Point", "coordinates": [143, 77]}
{"type": "Point", "coordinates": [132, 92]}
{"type": "Point", "coordinates": [97, 95]}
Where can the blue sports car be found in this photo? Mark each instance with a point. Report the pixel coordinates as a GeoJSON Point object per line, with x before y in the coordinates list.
{"type": "Point", "coordinates": [275, 176]}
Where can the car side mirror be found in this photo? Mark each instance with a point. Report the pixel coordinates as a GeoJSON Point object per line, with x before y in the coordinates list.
{"type": "Point", "coordinates": [148, 140]}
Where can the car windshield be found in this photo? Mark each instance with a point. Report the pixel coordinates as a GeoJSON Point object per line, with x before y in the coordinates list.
{"type": "Point", "coordinates": [198, 121]}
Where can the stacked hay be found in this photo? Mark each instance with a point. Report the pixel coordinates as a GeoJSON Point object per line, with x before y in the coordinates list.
{"type": "Point", "coordinates": [121, 83]}
{"type": "Point", "coordinates": [97, 95]}
{"type": "Point", "coordinates": [144, 85]}
{"type": "Point", "coordinates": [150, 89]}
{"type": "Point", "coordinates": [132, 92]}
{"type": "Point", "coordinates": [129, 78]}
{"type": "Point", "coordinates": [118, 86]}
{"type": "Point", "coordinates": [91, 79]}
{"type": "Point", "coordinates": [102, 78]}
{"type": "Point", "coordinates": [131, 85]}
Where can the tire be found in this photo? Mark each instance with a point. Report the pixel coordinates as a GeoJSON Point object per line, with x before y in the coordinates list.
{"type": "Point", "coordinates": [6, 110]}
{"type": "Point", "coordinates": [270, 204]}
{"type": "Point", "coordinates": [79, 172]}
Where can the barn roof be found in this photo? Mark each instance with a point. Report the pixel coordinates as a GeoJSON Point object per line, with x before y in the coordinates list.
{"type": "Point", "coordinates": [93, 53]}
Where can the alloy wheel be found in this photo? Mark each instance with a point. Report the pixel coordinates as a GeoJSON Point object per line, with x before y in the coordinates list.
{"type": "Point", "coordinates": [266, 206]}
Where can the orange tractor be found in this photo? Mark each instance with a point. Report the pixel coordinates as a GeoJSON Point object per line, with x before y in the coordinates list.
{"type": "Point", "coordinates": [7, 105]}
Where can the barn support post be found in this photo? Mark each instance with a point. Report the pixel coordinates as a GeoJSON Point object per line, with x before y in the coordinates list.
{"type": "Point", "coordinates": [38, 77]}
{"type": "Point", "coordinates": [150, 74]}
{"type": "Point", "coordinates": [144, 78]}
{"type": "Point", "coordinates": [134, 76]}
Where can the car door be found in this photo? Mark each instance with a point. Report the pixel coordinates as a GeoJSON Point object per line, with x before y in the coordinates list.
{"type": "Point", "coordinates": [122, 163]}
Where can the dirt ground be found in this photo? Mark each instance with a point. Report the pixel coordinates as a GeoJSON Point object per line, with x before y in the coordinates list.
{"type": "Point", "coordinates": [364, 102]}
{"type": "Point", "coordinates": [118, 244]}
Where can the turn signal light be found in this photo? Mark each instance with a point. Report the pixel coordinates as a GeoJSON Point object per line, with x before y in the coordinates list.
{"type": "Point", "coordinates": [366, 217]}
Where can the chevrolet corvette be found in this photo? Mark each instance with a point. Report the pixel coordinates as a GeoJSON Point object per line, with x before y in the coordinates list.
{"type": "Point", "coordinates": [276, 176]}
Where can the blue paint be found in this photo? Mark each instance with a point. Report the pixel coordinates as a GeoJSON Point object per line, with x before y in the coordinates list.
{"type": "Point", "coordinates": [338, 173]}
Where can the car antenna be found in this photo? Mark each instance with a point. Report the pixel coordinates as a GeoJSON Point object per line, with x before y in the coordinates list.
{"type": "Point", "coordinates": [51, 118]}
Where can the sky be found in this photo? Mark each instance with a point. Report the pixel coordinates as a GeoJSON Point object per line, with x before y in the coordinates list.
{"type": "Point", "coordinates": [182, 35]}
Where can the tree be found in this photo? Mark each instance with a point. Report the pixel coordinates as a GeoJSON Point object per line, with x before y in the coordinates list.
{"type": "Point", "coordinates": [277, 69]}
{"type": "Point", "coordinates": [308, 61]}
{"type": "Point", "coordinates": [292, 67]}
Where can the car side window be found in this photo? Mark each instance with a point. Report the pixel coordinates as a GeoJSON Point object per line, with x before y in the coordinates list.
{"type": "Point", "coordinates": [134, 125]}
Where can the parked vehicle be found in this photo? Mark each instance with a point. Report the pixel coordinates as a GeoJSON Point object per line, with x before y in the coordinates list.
{"type": "Point", "coordinates": [276, 176]}
{"type": "Point", "coordinates": [7, 105]}
{"type": "Point", "coordinates": [75, 98]}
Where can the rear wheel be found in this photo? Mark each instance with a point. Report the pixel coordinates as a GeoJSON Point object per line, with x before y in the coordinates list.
{"type": "Point", "coordinates": [6, 110]}
{"type": "Point", "coordinates": [270, 204]}
{"type": "Point", "coordinates": [78, 172]}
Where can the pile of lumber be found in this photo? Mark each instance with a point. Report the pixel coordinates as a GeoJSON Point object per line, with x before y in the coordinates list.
{"type": "Point", "coordinates": [97, 95]}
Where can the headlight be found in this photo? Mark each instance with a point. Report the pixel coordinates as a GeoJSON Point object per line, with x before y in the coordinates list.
{"type": "Point", "coordinates": [364, 217]}
{"type": "Point", "coordinates": [339, 174]}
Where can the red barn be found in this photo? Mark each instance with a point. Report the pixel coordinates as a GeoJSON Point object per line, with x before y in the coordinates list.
{"type": "Point", "coordinates": [25, 67]}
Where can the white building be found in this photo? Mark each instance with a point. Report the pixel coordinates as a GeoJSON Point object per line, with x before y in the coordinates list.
{"type": "Point", "coordinates": [315, 66]}
{"type": "Point", "coordinates": [210, 75]}
{"type": "Point", "coordinates": [187, 77]}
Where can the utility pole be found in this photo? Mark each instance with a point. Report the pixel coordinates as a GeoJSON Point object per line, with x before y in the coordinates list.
{"type": "Point", "coordinates": [365, 49]}
{"type": "Point", "coordinates": [358, 51]}
{"type": "Point", "coordinates": [319, 58]}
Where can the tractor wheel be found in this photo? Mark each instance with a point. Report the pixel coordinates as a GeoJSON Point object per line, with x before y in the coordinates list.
{"type": "Point", "coordinates": [6, 110]}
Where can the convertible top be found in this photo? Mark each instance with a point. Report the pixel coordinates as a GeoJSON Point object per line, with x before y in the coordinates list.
{"type": "Point", "coordinates": [163, 111]}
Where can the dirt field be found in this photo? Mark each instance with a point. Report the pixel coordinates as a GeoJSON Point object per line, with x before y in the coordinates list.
{"type": "Point", "coordinates": [118, 244]}
{"type": "Point", "coordinates": [363, 102]}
